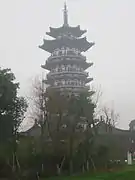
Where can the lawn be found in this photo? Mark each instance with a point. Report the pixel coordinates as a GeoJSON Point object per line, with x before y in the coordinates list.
{"type": "Point", "coordinates": [127, 174]}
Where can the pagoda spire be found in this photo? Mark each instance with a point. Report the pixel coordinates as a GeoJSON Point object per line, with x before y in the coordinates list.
{"type": "Point", "coordinates": [65, 15]}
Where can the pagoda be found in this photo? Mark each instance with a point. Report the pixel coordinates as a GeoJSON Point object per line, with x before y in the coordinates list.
{"type": "Point", "coordinates": [66, 64]}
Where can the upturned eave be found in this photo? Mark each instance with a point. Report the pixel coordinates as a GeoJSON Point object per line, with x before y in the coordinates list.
{"type": "Point", "coordinates": [81, 44]}
{"type": "Point", "coordinates": [74, 31]}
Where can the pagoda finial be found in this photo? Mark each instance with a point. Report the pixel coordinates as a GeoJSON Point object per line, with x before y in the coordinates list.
{"type": "Point", "coordinates": [65, 14]}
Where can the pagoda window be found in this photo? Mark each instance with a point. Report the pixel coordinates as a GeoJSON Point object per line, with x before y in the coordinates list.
{"type": "Point", "coordinates": [73, 82]}
{"type": "Point", "coordinates": [78, 68]}
{"type": "Point", "coordinates": [59, 37]}
{"type": "Point", "coordinates": [73, 51]}
{"type": "Point", "coordinates": [59, 52]}
{"type": "Point", "coordinates": [69, 67]}
{"type": "Point", "coordinates": [60, 70]}
{"type": "Point", "coordinates": [69, 52]}
{"type": "Point", "coordinates": [83, 83]}
{"type": "Point", "coordinates": [63, 82]}
{"type": "Point", "coordinates": [63, 51]}
{"type": "Point", "coordinates": [81, 69]}
{"type": "Point", "coordinates": [69, 81]}
{"type": "Point", "coordinates": [66, 68]}
{"type": "Point", "coordinates": [76, 51]}
{"type": "Point", "coordinates": [53, 70]}
{"type": "Point", "coordinates": [55, 53]}
{"type": "Point", "coordinates": [56, 83]}
{"type": "Point", "coordinates": [57, 68]}
{"type": "Point", "coordinates": [74, 67]}
{"type": "Point", "coordinates": [76, 82]}
{"type": "Point", "coordinates": [63, 67]}
{"type": "Point", "coordinates": [80, 83]}
{"type": "Point", "coordinates": [67, 49]}
{"type": "Point", "coordinates": [79, 52]}
{"type": "Point", "coordinates": [52, 53]}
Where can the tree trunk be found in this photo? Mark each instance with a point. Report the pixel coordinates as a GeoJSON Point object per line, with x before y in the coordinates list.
{"type": "Point", "coordinates": [60, 166]}
{"type": "Point", "coordinates": [58, 170]}
{"type": "Point", "coordinates": [93, 164]}
{"type": "Point", "coordinates": [87, 165]}
{"type": "Point", "coordinates": [83, 168]}
{"type": "Point", "coordinates": [71, 166]}
{"type": "Point", "coordinates": [71, 154]}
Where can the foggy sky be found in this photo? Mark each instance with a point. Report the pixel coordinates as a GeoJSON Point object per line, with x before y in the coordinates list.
{"type": "Point", "coordinates": [110, 24]}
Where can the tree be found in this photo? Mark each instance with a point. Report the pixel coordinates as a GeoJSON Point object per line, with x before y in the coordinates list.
{"type": "Point", "coordinates": [109, 116]}
{"type": "Point", "coordinates": [67, 118]}
{"type": "Point", "coordinates": [47, 108]}
{"type": "Point", "coordinates": [80, 111]}
{"type": "Point", "coordinates": [88, 109]}
{"type": "Point", "coordinates": [12, 107]}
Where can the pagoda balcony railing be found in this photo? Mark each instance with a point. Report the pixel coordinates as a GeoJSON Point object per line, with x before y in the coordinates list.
{"type": "Point", "coordinates": [66, 71]}
{"type": "Point", "coordinates": [59, 56]}
{"type": "Point", "coordinates": [66, 51]}
{"type": "Point", "coordinates": [70, 86]}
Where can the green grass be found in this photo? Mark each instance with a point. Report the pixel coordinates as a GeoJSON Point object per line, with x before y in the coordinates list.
{"type": "Point", "coordinates": [126, 174]}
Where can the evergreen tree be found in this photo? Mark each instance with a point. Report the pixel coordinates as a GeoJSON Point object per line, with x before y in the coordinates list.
{"type": "Point", "coordinates": [12, 107]}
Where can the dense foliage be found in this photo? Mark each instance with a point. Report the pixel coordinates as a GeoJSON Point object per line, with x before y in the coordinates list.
{"type": "Point", "coordinates": [12, 107]}
{"type": "Point", "coordinates": [68, 141]}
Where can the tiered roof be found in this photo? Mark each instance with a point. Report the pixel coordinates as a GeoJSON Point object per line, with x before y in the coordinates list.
{"type": "Point", "coordinates": [81, 44]}
{"type": "Point", "coordinates": [75, 31]}
{"type": "Point", "coordinates": [66, 36]}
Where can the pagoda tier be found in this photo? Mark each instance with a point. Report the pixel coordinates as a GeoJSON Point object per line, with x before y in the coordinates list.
{"type": "Point", "coordinates": [73, 31]}
{"type": "Point", "coordinates": [81, 44]}
{"type": "Point", "coordinates": [67, 75]}
{"type": "Point", "coordinates": [70, 88]}
{"type": "Point", "coordinates": [52, 65]}
{"type": "Point", "coordinates": [64, 81]}
{"type": "Point", "coordinates": [66, 52]}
